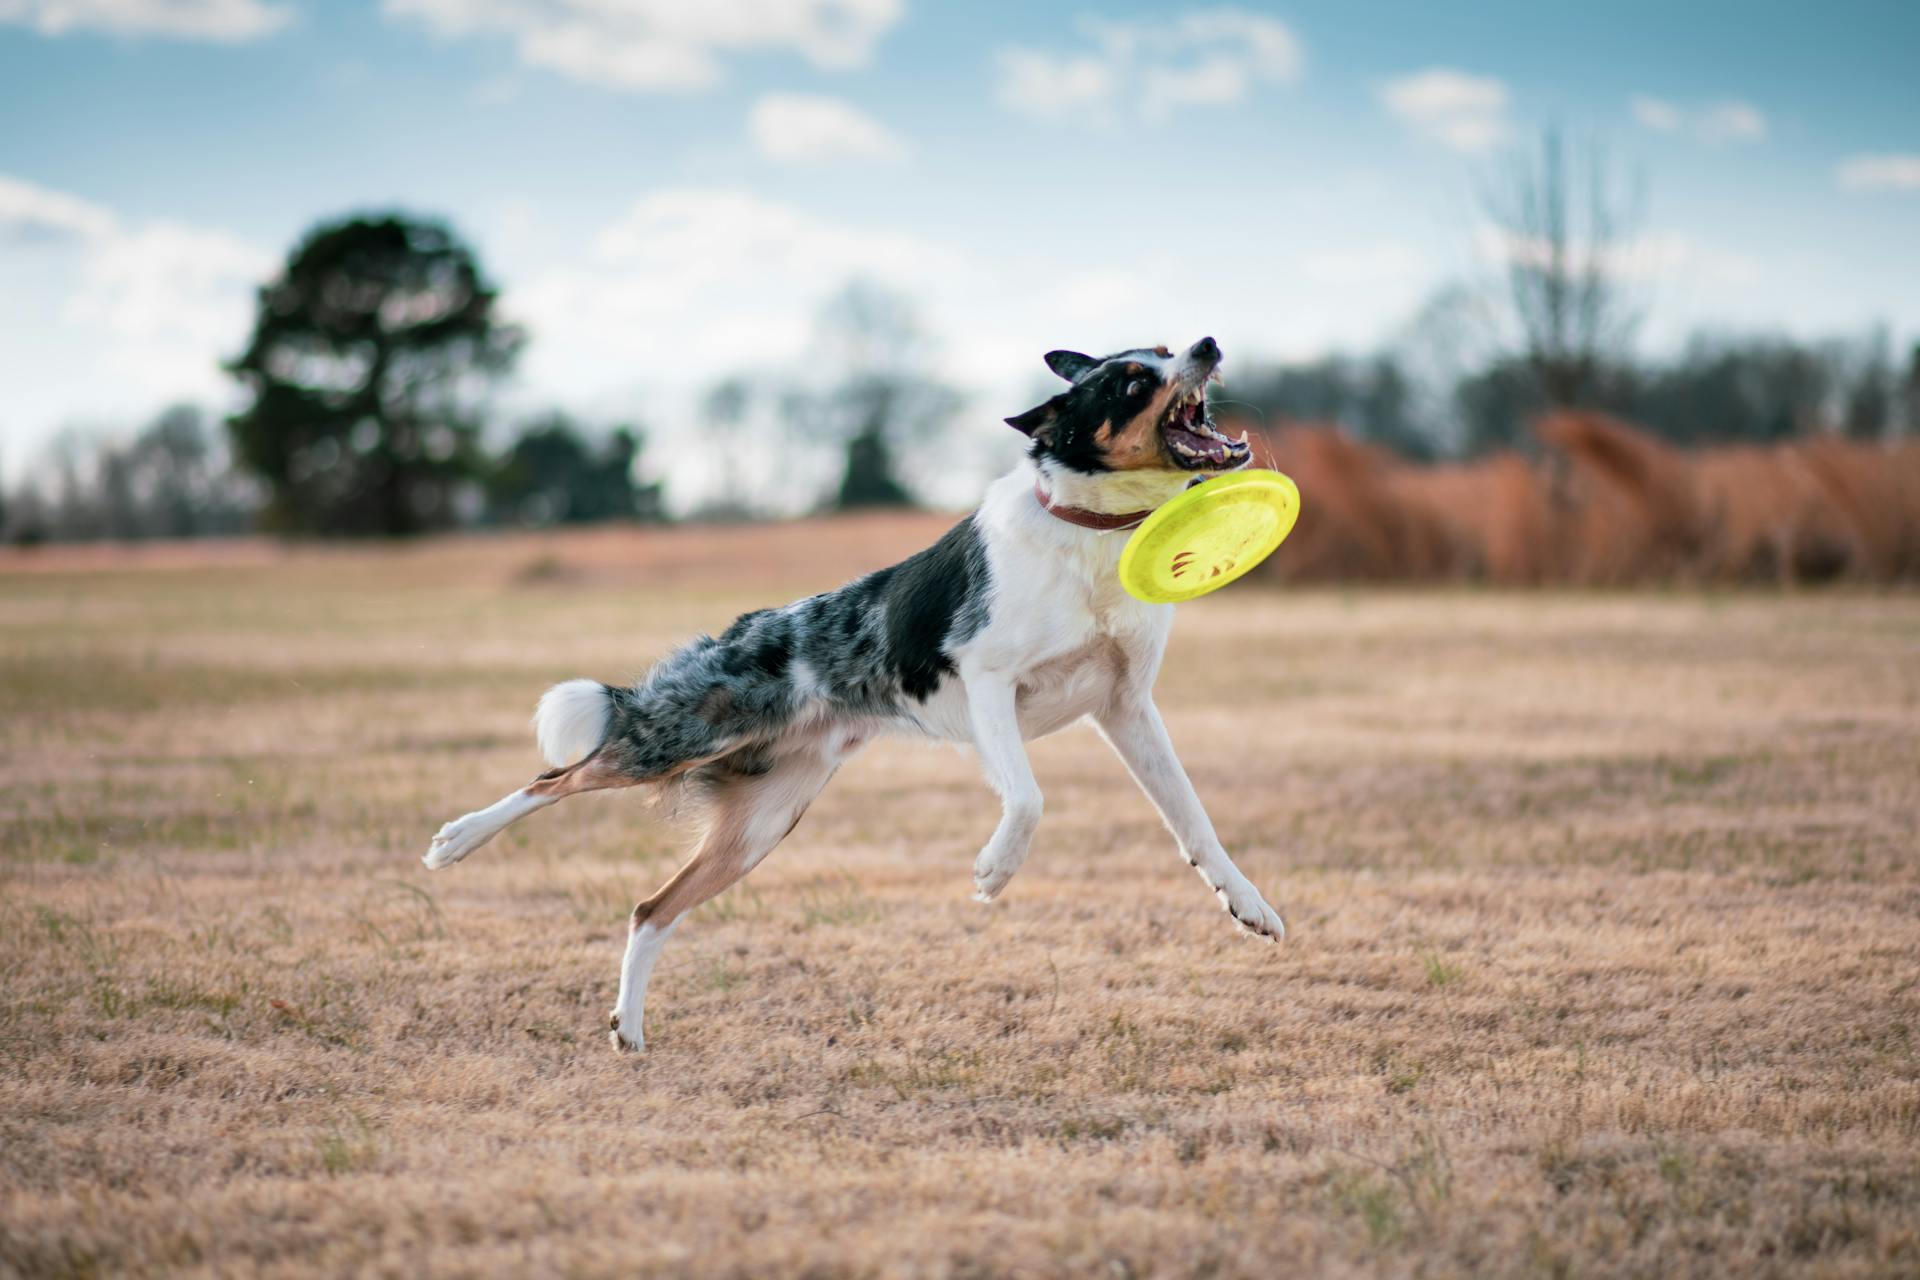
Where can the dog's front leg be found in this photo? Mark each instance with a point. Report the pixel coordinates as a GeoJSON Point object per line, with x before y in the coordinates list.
{"type": "Point", "coordinates": [1139, 737]}
{"type": "Point", "coordinates": [993, 712]}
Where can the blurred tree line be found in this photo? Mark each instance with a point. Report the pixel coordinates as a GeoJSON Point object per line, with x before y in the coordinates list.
{"type": "Point", "coordinates": [367, 378]}
{"type": "Point", "coordinates": [169, 481]}
{"type": "Point", "coordinates": [1720, 388]}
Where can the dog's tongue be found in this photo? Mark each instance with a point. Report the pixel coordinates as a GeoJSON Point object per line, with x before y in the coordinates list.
{"type": "Point", "coordinates": [1208, 445]}
{"type": "Point", "coordinates": [1195, 444]}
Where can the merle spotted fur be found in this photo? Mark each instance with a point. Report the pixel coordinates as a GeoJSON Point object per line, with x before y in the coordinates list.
{"type": "Point", "coordinates": [868, 650]}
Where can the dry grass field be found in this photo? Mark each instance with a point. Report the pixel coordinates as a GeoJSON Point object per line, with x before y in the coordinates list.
{"type": "Point", "coordinates": [1604, 953]}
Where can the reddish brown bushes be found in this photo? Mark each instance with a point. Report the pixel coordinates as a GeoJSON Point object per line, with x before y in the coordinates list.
{"type": "Point", "coordinates": [1606, 505]}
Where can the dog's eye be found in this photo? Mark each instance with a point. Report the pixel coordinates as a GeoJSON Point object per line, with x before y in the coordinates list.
{"type": "Point", "coordinates": [1135, 387]}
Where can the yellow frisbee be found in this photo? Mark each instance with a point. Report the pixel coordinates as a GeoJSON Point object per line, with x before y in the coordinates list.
{"type": "Point", "coordinates": [1208, 536]}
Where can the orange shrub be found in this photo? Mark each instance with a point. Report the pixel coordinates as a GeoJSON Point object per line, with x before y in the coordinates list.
{"type": "Point", "coordinates": [1603, 504]}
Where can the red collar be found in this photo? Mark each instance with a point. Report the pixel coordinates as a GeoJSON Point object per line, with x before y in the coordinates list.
{"type": "Point", "coordinates": [1104, 521]}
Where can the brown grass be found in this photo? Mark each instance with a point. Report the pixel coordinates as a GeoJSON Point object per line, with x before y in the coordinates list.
{"type": "Point", "coordinates": [1603, 956]}
{"type": "Point", "coordinates": [1604, 505]}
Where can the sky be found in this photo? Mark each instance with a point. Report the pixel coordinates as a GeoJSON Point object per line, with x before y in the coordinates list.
{"type": "Point", "coordinates": [665, 192]}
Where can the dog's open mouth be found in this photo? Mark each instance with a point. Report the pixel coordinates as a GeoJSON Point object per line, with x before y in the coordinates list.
{"type": "Point", "coordinates": [1192, 439]}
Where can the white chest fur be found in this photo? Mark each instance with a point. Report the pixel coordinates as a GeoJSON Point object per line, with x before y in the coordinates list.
{"type": "Point", "coordinates": [1060, 627]}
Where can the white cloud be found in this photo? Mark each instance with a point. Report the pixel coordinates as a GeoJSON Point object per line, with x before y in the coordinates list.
{"type": "Point", "coordinates": [1207, 58]}
{"type": "Point", "coordinates": [743, 272]}
{"type": "Point", "coordinates": [27, 210]}
{"type": "Point", "coordinates": [1718, 122]}
{"type": "Point", "coordinates": [1214, 82]}
{"type": "Point", "coordinates": [1657, 114]}
{"type": "Point", "coordinates": [804, 128]}
{"type": "Point", "coordinates": [660, 45]}
{"type": "Point", "coordinates": [1038, 84]}
{"type": "Point", "coordinates": [222, 20]}
{"type": "Point", "coordinates": [162, 281]}
{"type": "Point", "coordinates": [1889, 171]}
{"type": "Point", "coordinates": [1732, 122]}
{"type": "Point", "coordinates": [1458, 110]}
{"type": "Point", "coordinates": [157, 303]}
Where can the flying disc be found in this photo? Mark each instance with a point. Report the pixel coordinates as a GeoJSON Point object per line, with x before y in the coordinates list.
{"type": "Point", "coordinates": [1208, 536]}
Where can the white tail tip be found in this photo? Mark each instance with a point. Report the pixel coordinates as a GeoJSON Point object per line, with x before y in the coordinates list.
{"type": "Point", "coordinates": [572, 720]}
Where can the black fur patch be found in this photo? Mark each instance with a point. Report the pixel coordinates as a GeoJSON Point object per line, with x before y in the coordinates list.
{"type": "Point", "coordinates": [933, 599]}
{"type": "Point", "coordinates": [758, 643]}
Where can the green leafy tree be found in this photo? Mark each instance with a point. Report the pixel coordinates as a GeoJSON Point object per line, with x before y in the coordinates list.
{"type": "Point", "coordinates": [552, 474]}
{"type": "Point", "coordinates": [367, 358]}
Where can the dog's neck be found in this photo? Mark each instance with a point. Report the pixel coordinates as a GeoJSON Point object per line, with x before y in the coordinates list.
{"type": "Point", "coordinates": [1108, 493]}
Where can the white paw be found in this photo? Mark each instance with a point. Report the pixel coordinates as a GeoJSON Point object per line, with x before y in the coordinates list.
{"type": "Point", "coordinates": [621, 1041]}
{"type": "Point", "coordinates": [1249, 910]}
{"type": "Point", "coordinates": [456, 840]}
{"type": "Point", "coordinates": [991, 871]}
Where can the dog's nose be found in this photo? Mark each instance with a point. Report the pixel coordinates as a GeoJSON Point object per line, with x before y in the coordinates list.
{"type": "Point", "coordinates": [1207, 351]}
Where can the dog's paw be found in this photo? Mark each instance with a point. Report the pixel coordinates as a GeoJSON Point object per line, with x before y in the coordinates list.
{"type": "Point", "coordinates": [991, 871]}
{"type": "Point", "coordinates": [619, 1039]}
{"type": "Point", "coordinates": [455, 841]}
{"type": "Point", "coordinates": [1249, 910]}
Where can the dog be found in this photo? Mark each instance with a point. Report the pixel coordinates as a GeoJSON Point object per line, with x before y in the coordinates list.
{"type": "Point", "coordinates": [1012, 626]}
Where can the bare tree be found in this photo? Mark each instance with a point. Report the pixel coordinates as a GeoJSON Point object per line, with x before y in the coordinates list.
{"type": "Point", "coordinates": [725, 415]}
{"type": "Point", "coordinates": [1565, 238]}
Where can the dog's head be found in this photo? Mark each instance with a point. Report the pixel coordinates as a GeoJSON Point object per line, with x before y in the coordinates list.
{"type": "Point", "coordinates": [1140, 410]}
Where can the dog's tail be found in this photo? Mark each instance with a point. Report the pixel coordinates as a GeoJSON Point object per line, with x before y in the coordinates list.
{"type": "Point", "coordinates": [572, 720]}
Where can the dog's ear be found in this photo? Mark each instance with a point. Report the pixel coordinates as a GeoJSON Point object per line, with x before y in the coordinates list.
{"type": "Point", "coordinates": [1070, 364]}
{"type": "Point", "coordinates": [1038, 421]}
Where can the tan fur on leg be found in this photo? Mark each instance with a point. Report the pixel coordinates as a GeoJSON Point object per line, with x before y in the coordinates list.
{"type": "Point", "coordinates": [750, 814]}
{"type": "Point", "coordinates": [745, 814]}
{"type": "Point", "coordinates": [591, 774]}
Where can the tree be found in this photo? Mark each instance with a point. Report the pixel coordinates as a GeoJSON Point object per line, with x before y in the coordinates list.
{"type": "Point", "coordinates": [552, 475]}
{"type": "Point", "coordinates": [1564, 241]}
{"type": "Point", "coordinates": [1723, 388]}
{"type": "Point", "coordinates": [878, 397]}
{"type": "Point", "coordinates": [1373, 398]}
{"type": "Point", "coordinates": [724, 414]}
{"type": "Point", "coordinates": [1910, 394]}
{"type": "Point", "coordinates": [1493, 406]}
{"type": "Point", "coordinates": [366, 356]}
{"type": "Point", "coordinates": [1871, 395]}
{"type": "Point", "coordinates": [178, 491]}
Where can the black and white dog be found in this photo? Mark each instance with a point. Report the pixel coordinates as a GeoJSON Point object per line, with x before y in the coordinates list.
{"type": "Point", "coordinates": [1012, 626]}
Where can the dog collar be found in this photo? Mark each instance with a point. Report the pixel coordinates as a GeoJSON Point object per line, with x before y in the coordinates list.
{"type": "Point", "coordinates": [1103, 521]}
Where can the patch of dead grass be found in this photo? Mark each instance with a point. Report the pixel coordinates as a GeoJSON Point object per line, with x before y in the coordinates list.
{"type": "Point", "coordinates": [1603, 952]}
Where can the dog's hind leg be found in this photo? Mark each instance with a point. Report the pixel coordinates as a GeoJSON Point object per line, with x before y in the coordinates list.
{"type": "Point", "coordinates": [465, 834]}
{"type": "Point", "coordinates": [749, 813]}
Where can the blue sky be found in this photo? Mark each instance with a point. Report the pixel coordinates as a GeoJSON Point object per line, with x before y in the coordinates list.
{"type": "Point", "coordinates": [666, 191]}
